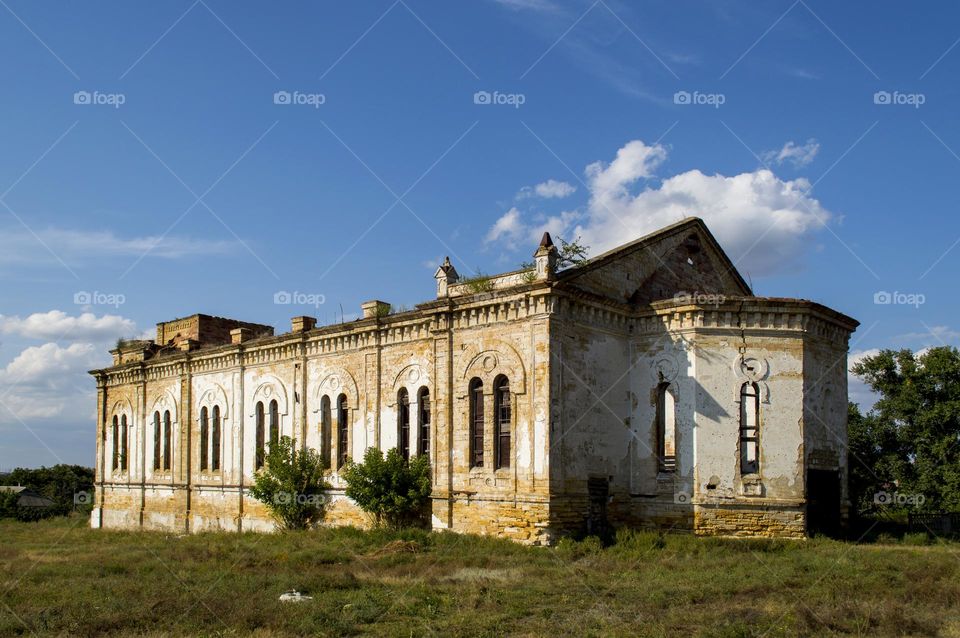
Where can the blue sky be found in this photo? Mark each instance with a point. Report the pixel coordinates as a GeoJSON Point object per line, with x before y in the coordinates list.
{"type": "Point", "coordinates": [150, 155]}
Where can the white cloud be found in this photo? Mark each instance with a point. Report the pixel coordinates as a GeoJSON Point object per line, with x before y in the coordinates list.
{"type": "Point", "coordinates": [509, 226]}
{"type": "Point", "coordinates": [18, 246]}
{"type": "Point", "coordinates": [57, 325]}
{"type": "Point", "coordinates": [797, 155]}
{"type": "Point", "coordinates": [550, 189]}
{"type": "Point", "coordinates": [935, 336]}
{"type": "Point", "coordinates": [528, 5]}
{"type": "Point", "coordinates": [763, 222]}
{"type": "Point", "coordinates": [47, 381]}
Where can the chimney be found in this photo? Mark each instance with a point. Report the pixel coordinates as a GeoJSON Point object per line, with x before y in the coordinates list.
{"type": "Point", "coordinates": [302, 324]}
{"type": "Point", "coordinates": [446, 274]}
{"type": "Point", "coordinates": [545, 258]}
{"type": "Point", "coordinates": [375, 308]}
{"type": "Point", "coordinates": [239, 335]}
{"type": "Point", "coordinates": [186, 345]}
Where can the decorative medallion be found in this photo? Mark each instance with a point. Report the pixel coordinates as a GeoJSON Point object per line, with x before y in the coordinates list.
{"type": "Point", "coordinates": [489, 363]}
{"type": "Point", "coordinates": [667, 368]}
{"type": "Point", "coordinates": [414, 375]}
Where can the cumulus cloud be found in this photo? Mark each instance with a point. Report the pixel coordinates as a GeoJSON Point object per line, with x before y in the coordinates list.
{"type": "Point", "coordinates": [798, 155]}
{"type": "Point", "coordinates": [48, 381]}
{"type": "Point", "coordinates": [57, 325]}
{"type": "Point", "coordinates": [550, 189]}
{"type": "Point", "coordinates": [764, 223]}
{"type": "Point", "coordinates": [935, 335]}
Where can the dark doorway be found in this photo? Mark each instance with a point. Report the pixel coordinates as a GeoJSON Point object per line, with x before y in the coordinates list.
{"type": "Point", "coordinates": [823, 502]}
{"type": "Point", "coordinates": [598, 489]}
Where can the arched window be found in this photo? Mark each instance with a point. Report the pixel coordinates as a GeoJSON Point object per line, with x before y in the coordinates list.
{"type": "Point", "coordinates": [403, 423]}
{"type": "Point", "coordinates": [423, 421]}
{"type": "Point", "coordinates": [259, 423]}
{"type": "Point", "coordinates": [204, 439]}
{"type": "Point", "coordinates": [666, 428]}
{"type": "Point", "coordinates": [123, 442]}
{"type": "Point", "coordinates": [502, 427]}
{"type": "Point", "coordinates": [167, 439]}
{"type": "Point", "coordinates": [116, 442]}
{"type": "Point", "coordinates": [274, 422]}
{"type": "Point", "coordinates": [476, 423]}
{"type": "Point", "coordinates": [343, 429]}
{"type": "Point", "coordinates": [215, 440]}
{"type": "Point", "coordinates": [157, 436]}
{"type": "Point", "coordinates": [325, 433]}
{"type": "Point", "coordinates": [749, 428]}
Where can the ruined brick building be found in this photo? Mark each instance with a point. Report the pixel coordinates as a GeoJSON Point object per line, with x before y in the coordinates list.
{"type": "Point", "coordinates": [645, 387]}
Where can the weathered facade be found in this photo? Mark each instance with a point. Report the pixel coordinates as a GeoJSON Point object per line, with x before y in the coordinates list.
{"type": "Point", "coordinates": [645, 387]}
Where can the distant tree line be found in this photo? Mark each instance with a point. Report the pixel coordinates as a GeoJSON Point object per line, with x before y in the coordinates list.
{"type": "Point", "coordinates": [68, 486]}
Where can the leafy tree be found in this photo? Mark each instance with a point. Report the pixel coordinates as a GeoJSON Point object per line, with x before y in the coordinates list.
{"type": "Point", "coordinates": [912, 435]}
{"type": "Point", "coordinates": [389, 488]}
{"type": "Point", "coordinates": [291, 484]}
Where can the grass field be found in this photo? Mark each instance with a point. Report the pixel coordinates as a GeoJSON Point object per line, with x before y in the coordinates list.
{"type": "Point", "coordinates": [58, 577]}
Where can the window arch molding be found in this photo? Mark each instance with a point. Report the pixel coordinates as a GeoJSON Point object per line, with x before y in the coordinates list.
{"type": "Point", "coordinates": [334, 382]}
{"type": "Point", "coordinates": [486, 362]}
{"type": "Point", "coordinates": [121, 413]}
{"type": "Point", "coordinates": [215, 395]}
{"type": "Point", "coordinates": [270, 389]}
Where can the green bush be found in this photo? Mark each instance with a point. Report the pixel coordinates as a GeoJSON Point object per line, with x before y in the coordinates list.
{"type": "Point", "coordinates": [394, 492]}
{"type": "Point", "coordinates": [291, 485]}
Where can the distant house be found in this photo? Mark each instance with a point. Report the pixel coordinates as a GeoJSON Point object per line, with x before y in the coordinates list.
{"type": "Point", "coordinates": [27, 497]}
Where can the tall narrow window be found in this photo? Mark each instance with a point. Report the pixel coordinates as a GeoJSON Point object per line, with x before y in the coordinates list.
{"type": "Point", "coordinates": [403, 423]}
{"type": "Point", "coordinates": [123, 442]}
{"type": "Point", "coordinates": [259, 425]}
{"type": "Point", "coordinates": [423, 421]}
{"type": "Point", "coordinates": [476, 423]}
{"type": "Point", "coordinates": [157, 437]}
{"type": "Point", "coordinates": [274, 422]}
{"type": "Point", "coordinates": [666, 428]}
{"type": "Point", "coordinates": [215, 440]}
{"type": "Point", "coordinates": [325, 432]}
{"type": "Point", "coordinates": [749, 428]}
{"type": "Point", "coordinates": [116, 442]}
{"type": "Point", "coordinates": [343, 428]}
{"type": "Point", "coordinates": [501, 410]}
{"type": "Point", "coordinates": [167, 439]}
{"type": "Point", "coordinates": [204, 439]}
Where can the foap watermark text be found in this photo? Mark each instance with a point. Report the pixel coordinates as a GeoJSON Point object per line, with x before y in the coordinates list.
{"type": "Point", "coordinates": [97, 298]}
{"type": "Point", "coordinates": [297, 298]}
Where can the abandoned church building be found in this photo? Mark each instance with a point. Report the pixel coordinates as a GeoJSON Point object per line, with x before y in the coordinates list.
{"type": "Point", "coordinates": [645, 387]}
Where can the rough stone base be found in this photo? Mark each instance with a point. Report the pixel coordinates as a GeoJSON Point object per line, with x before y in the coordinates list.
{"type": "Point", "coordinates": [750, 521]}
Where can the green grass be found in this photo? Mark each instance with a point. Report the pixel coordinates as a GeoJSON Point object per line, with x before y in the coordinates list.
{"type": "Point", "coordinates": [58, 577]}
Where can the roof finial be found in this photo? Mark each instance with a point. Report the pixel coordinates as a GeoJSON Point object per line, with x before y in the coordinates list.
{"type": "Point", "coordinates": [546, 241]}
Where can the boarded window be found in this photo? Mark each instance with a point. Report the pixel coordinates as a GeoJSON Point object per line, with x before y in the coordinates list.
{"type": "Point", "coordinates": [204, 439]}
{"type": "Point", "coordinates": [274, 422]}
{"type": "Point", "coordinates": [325, 432]}
{"type": "Point", "coordinates": [260, 435]}
{"type": "Point", "coordinates": [157, 436]}
{"type": "Point", "coordinates": [343, 429]}
{"type": "Point", "coordinates": [116, 443]}
{"type": "Point", "coordinates": [215, 440]}
{"type": "Point", "coordinates": [476, 423]}
{"type": "Point", "coordinates": [403, 423]}
{"type": "Point", "coordinates": [502, 410]}
{"type": "Point", "coordinates": [423, 421]}
{"type": "Point", "coordinates": [123, 442]}
{"type": "Point", "coordinates": [167, 439]}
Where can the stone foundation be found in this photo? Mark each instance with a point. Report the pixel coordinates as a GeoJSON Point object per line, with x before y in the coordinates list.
{"type": "Point", "coordinates": [750, 521]}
